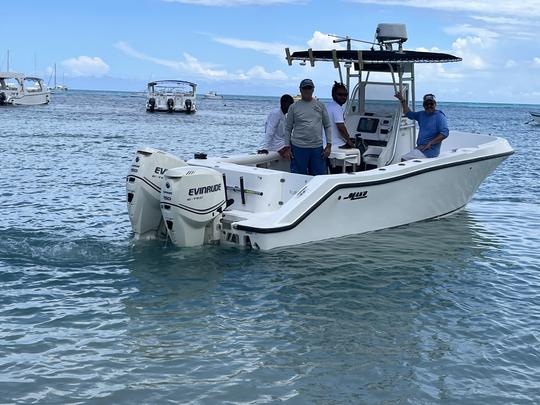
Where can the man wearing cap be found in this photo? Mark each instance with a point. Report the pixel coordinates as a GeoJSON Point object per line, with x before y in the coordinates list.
{"type": "Point", "coordinates": [433, 127]}
{"type": "Point", "coordinates": [303, 127]}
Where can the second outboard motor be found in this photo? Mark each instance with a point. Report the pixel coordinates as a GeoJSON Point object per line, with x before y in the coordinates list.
{"type": "Point", "coordinates": [170, 104]}
{"type": "Point", "coordinates": [189, 105]}
{"type": "Point", "coordinates": [192, 202]}
{"type": "Point", "coordinates": [3, 98]}
{"type": "Point", "coordinates": [143, 186]}
{"type": "Point", "coordinates": [151, 104]}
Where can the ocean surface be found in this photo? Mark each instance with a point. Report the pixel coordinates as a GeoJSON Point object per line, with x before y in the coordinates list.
{"type": "Point", "coordinates": [444, 311]}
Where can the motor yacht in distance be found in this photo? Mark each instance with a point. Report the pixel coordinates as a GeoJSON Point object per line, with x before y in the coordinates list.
{"type": "Point", "coordinates": [536, 116]}
{"type": "Point", "coordinates": [18, 89]}
{"type": "Point", "coordinates": [171, 96]}
{"type": "Point", "coordinates": [212, 95]}
{"type": "Point", "coordinates": [253, 200]}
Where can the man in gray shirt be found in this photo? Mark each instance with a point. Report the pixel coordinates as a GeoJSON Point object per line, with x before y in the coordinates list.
{"type": "Point", "coordinates": [303, 127]}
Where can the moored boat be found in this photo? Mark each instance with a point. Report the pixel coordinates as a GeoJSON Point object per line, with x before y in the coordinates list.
{"type": "Point", "coordinates": [19, 89]}
{"type": "Point", "coordinates": [255, 201]}
{"type": "Point", "coordinates": [212, 95]}
{"type": "Point", "coordinates": [171, 96]}
{"type": "Point", "coordinates": [536, 116]}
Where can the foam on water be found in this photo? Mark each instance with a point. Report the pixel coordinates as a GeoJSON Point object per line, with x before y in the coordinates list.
{"type": "Point", "coordinates": [440, 311]}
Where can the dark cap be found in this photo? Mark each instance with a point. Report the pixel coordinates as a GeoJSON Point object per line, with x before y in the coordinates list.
{"type": "Point", "coordinates": [306, 83]}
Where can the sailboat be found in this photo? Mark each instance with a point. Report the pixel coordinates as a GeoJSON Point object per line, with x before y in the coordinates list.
{"type": "Point", "coordinates": [57, 88]}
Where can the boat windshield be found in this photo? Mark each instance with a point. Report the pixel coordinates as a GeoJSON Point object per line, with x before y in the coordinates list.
{"type": "Point", "coordinates": [373, 98]}
{"type": "Point", "coordinates": [9, 83]}
{"type": "Point", "coordinates": [32, 85]}
{"type": "Point", "coordinates": [171, 88]}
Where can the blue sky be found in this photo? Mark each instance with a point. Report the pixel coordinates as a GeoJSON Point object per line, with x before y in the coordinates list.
{"type": "Point", "coordinates": [237, 46]}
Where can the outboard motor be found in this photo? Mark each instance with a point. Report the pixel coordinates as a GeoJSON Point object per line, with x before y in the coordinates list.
{"type": "Point", "coordinates": [170, 104]}
{"type": "Point", "coordinates": [192, 202]}
{"type": "Point", "coordinates": [151, 104]}
{"type": "Point", "coordinates": [143, 185]}
{"type": "Point", "coordinates": [3, 98]}
{"type": "Point", "coordinates": [189, 105]}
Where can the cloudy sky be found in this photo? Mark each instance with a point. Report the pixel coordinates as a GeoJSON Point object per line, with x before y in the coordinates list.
{"type": "Point", "coordinates": [237, 46]}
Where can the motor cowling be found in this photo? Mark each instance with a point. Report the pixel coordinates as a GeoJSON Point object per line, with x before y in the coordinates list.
{"type": "Point", "coordinates": [3, 98]}
{"type": "Point", "coordinates": [170, 105]}
{"type": "Point", "coordinates": [143, 186]}
{"type": "Point", "coordinates": [151, 104]}
{"type": "Point", "coordinates": [192, 202]}
{"type": "Point", "coordinates": [189, 105]}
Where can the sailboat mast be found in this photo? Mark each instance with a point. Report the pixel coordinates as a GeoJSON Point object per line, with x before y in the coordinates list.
{"type": "Point", "coordinates": [55, 75]}
{"type": "Point", "coordinates": [7, 70]}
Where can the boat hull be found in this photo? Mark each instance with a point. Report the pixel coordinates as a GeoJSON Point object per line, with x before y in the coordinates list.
{"type": "Point", "coordinates": [31, 99]}
{"type": "Point", "coordinates": [354, 207]}
{"type": "Point", "coordinates": [536, 117]}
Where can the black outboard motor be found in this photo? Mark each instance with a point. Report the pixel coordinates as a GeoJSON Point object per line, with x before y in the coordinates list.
{"type": "Point", "coordinates": [170, 104]}
{"type": "Point", "coordinates": [151, 104]}
{"type": "Point", "coordinates": [3, 98]}
{"type": "Point", "coordinates": [189, 105]}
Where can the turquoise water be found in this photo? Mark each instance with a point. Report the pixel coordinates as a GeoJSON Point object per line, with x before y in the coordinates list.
{"type": "Point", "coordinates": [443, 311]}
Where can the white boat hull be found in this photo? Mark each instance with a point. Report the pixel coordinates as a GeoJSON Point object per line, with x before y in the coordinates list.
{"type": "Point", "coordinates": [346, 206]}
{"type": "Point", "coordinates": [31, 99]}
{"type": "Point", "coordinates": [536, 117]}
{"type": "Point", "coordinates": [268, 208]}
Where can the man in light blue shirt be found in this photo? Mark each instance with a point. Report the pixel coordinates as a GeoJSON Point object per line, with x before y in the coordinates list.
{"type": "Point", "coordinates": [432, 123]}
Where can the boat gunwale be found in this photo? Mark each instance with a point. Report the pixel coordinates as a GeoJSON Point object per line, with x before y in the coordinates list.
{"type": "Point", "coordinates": [329, 193]}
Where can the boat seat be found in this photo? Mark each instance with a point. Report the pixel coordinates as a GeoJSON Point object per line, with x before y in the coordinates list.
{"type": "Point", "coordinates": [371, 155]}
{"type": "Point", "coordinates": [346, 157]}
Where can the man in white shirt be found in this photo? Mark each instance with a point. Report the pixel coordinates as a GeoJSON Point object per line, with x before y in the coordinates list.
{"type": "Point", "coordinates": [273, 140]}
{"type": "Point", "coordinates": [340, 135]}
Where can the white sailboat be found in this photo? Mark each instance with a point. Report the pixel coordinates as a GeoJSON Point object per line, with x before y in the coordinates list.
{"type": "Point", "coordinates": [57, 88]}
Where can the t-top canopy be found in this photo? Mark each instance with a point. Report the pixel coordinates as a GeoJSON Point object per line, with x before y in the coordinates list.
{"type": "Point", "coordinates": [373, 60]}
{"type": "Point", "coordinates": [165, 82]}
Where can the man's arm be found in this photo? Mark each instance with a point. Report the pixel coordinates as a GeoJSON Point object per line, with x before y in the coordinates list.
{"type": "Point", "coordinates": [285, 152]}
{"type": "Point", "coordinates": [404, 104]}
{"type": "Point", "coordinates": [434, 141]}
{"type": "Point", "coordinates": [327, 131]}
{"type": "Point", "coordinates": [344, 133]}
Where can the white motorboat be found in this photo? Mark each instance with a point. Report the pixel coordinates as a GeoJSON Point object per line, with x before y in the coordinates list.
{"type": "Point", "coordinates": [254, 201]}
{"type": "Point", "coordinates": [171, 96]}
{"type": "Point", "coordinates": [18, 89]}
{"type": "Point", "coordinates": [536, 116]}
{"type": "Point", "coordinates": [212, 95]}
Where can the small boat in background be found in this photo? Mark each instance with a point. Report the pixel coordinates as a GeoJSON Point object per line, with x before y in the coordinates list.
{"type": "Point", "coordinates": [171, 96]}
{"type": "Point", "coordinates": [536, 116]}
{"type": "Point", "coordinates": [212, 95]}
{"type": "Point", "coordinates": [57, 88]}
{"type": "Point", "coordinates": [19, 89]}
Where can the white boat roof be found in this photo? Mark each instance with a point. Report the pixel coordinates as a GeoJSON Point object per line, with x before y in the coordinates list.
{"type": "Point", "coordinates": [11, 75]}
{"type": "Point", "coordinates": [170, 82]}
{"type": "Point", "coordinates": [373, 60]}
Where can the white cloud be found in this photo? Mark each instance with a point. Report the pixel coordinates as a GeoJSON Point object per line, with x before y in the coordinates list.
{"type": "Point", "coordinates": [536, 62]}
{"type": "Point", "coordinates": [234, 3]}
{"type": "Point", "coordinates": [510, 63]}
{"type": "Point", "coordinates": [323, 41]}
{"type": "Point", "coordinates": [524, 8]}
{"type": "Point", "coordinates": [270, 48]}
{"type": "Point", "coordinates": [86, 66]}
{"type": "Point", "coordinates": [192, 65]}
{"type": "Point", "coordinates": [258, 72]}
{"type": "Point", "coordinates": [467, 49]}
